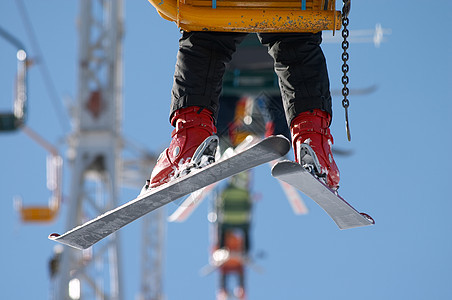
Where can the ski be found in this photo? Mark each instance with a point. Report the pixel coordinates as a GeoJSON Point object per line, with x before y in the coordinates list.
{"type": "Point", "coordinates": [342, 213]}
{"type": "Point", "coordinates": [257, 153]}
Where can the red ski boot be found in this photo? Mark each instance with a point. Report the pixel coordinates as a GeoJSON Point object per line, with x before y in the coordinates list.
{"type": "Point", "coordinates": [193, 145]}
{"type": "Point", "coordinates": [312, 142]}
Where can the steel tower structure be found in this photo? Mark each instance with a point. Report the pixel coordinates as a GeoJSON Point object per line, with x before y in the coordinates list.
{"type": "Point", "coordinates": [94, 152]}
{"type": "Point", "coordinates": [98, 169]}
{"type": "Point", "coordinates": [152, 256]}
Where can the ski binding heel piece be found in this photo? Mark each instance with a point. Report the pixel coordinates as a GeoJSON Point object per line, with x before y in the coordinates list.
{"type": "Point", "coordinates": [308, 159]}
{"type": "Point", "coordinates": [204, 155]}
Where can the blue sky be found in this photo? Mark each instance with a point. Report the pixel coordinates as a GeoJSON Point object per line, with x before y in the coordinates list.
{"type": "Point", "coordinates": [399, 173]}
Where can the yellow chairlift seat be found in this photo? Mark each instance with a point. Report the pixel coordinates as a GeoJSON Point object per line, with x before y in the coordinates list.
{"type": "Point", "coordinates": [40, 214]}
{"type": "Point", "coordinates": [251, 15]}
{"type": "Point", "coordinates": [45, 213]}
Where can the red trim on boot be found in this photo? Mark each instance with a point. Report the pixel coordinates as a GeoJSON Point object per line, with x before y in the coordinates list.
{"type": "Point", "coordinates": [312, 128]}
{"type": "Point", "coordinates": [193, 125]}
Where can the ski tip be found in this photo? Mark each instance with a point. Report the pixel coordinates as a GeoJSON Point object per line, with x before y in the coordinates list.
{"type": "Point", "coordinates": [280, 136]}
{"type": "Point", "coordinates": [369, 218]}
{"type": "Point", "coordinates": [285, 144]}
{"type": "Point", "coordinates": [172, 219]}
{"type": "Point", "coordinates": [57, 238]}
{"type": "Point", "coordinates": [283, 166]}
{"type": "Point", "coordinates": [53, 236]}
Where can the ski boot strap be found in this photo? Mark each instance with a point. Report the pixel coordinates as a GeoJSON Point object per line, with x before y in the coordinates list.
{"type": "Point", "coordinates": [316, 121]}
{"type": "Point", "coordinates": [192, 116]}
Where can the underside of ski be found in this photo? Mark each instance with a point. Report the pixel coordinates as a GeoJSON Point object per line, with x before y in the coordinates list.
{"type": "Point", "coordinates": [342, 213]}
{"type": "Point", "coordinates": [255, 154]}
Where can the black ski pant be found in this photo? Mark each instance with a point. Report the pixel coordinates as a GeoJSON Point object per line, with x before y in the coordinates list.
{"type": "Point", "coordinates": [298, 61]}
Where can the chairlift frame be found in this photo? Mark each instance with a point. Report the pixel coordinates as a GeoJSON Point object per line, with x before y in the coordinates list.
{"type": "Point", "coordinates": [12, 120]}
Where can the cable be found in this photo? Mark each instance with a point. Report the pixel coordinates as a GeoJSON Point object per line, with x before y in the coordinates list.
{"type": "Point", "coordinates": [10, 38]}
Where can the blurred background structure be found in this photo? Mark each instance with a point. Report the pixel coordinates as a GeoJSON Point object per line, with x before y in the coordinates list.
{"type": "Point", "coordinates": [84, 92]}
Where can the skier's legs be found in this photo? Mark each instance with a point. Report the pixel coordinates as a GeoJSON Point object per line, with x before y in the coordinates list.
{"type": "Point", "coordinates": [240, 291]}
{"type": "Point", "coordinates": [226, 119]}
{"type": "Point", "coordinates": [222, 292]}
{"type": "Point", "coordinates": [200, 67]}
{"type": "Point", "coordinates": [302, 71]}
{"type": "Point", "coordinates": [194, 105]}
{"type": "Point", "coordinates": [303, 79]}
{"type": "Point", "coordinates": [246, 238]}
{"type": "Point", "coordinates": [221, 236]}
{"type": "Point", "coordinates": [277, 123]}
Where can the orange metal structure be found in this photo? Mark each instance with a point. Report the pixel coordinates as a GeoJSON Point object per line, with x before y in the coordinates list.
{"type": "Point", "coordinates": [251, 15]}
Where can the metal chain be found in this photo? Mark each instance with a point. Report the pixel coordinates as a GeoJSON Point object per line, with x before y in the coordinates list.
{"type": "Point", "coordinates": [345, 67]}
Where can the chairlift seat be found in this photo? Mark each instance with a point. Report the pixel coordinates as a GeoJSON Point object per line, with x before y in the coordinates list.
{"type": "Point", "coordinates": [251, 15]}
